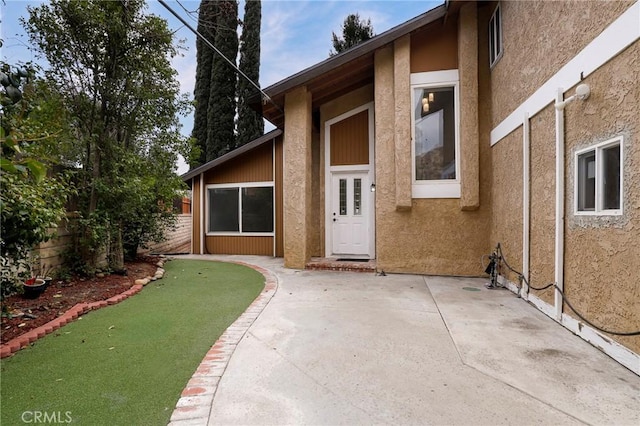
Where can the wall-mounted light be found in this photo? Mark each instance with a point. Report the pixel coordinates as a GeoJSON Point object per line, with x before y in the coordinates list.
{"type": "Point", "coordinates": [582, 94]}
{"type": "Point", "coordinates": [373, 187]}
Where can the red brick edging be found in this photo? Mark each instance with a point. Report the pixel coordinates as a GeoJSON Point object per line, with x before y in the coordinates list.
{"type": "Point", "coordinates": [194, 405]}
{"type": "Point", "coordinates": [14, 345]}
{"type": "Point", "coordinates": [26, 339]}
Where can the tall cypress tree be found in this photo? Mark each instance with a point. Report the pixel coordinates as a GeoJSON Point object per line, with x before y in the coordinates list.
{"type": "Point", "coordinates": [250, 123]}
{"type": "Point", "coordinates": [222, 95]}
{"type": "Point", "coordinates": [207, 27]}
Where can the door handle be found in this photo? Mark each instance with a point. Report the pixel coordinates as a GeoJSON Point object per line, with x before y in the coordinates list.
{"type": "Point", "coordinates": [335, 220]}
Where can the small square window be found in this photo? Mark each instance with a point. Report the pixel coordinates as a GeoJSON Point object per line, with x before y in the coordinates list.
{"type": "Point", "coordinates": [599, 179]}
{"type": "Point", "coordinates": [495, 36]}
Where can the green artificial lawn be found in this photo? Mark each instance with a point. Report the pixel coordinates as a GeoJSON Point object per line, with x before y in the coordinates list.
{"type": "Point", "coordinates": [127, 364]}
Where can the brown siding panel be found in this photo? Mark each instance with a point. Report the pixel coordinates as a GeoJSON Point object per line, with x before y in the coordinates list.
{"type": "Point", "coordinates": [350, 140]}
{"type": "Point", "coordinates": [254, 166]}
{"type": "Point", "coordinates": [195, 235]}
{"type": "Point", "coordinates": [260, 246]}
{"type": "Point", "coordinates": [435, 48]}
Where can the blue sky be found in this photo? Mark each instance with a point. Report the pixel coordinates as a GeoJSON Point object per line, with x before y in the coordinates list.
{"type": "Point", "coordinates": [295, 34]}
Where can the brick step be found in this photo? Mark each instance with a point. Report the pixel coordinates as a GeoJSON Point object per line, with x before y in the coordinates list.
{"type": "Point", "coordinates": [323, 264]}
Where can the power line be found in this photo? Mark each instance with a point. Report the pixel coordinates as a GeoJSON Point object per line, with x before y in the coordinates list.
{"type": "Point", "coordinates": [203, 38]}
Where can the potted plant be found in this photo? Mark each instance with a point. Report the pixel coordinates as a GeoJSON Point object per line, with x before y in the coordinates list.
{"type": "Point", "coordinates": [44, 275]}
{"type": "Point", "coordinates": [33, 287]}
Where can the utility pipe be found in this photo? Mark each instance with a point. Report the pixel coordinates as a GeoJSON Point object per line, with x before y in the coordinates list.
{"type": "Point", "coordinates": [559, 234]}
{"type": "Point", "coordinates": [526, 203]}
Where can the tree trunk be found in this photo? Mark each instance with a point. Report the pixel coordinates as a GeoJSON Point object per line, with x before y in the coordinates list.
{"type": "Point", "coordinates": [116, 250]}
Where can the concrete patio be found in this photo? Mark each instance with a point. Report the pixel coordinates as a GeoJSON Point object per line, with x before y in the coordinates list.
{"type": "Point", "coordinates": [356, 348]}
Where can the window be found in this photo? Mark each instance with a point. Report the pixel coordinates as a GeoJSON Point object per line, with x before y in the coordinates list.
{"type": "Point", "coordinates": [435, 147]}
{"type": "Point", "coordinates": [598, 183]}
{"type": "Point", "coordinates": [495, 37]}
{"type": "Point", "coordinates": [243, 208]}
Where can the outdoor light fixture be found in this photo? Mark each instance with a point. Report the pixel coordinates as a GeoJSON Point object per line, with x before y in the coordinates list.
{"type": "Point", "coordinates": [373, 187]}
{"type": "Point", "coordinates": [582, 93]}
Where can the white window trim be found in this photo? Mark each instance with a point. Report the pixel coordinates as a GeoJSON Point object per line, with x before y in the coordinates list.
{"type": "Point", "coordinates": [445, 188]}
{"type": "Point", "coordinates": [498, 39]}
{"type": "Point", "coordinates": [597, 148]}
{"type": "Point", "coordinates": [239, 186]}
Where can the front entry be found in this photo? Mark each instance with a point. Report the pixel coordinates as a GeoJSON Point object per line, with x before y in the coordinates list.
{"type": "Point", "coordinates": [349, 214]}
{"type": "Point", "coordinates": [349, 184]}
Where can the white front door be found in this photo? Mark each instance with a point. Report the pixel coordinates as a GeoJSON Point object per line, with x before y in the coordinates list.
{"type": "Point", "coordinates": [349, 214]}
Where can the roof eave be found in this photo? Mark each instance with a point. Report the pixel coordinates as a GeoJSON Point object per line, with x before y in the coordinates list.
{"type": "Point", "coordinates": [355, 52]}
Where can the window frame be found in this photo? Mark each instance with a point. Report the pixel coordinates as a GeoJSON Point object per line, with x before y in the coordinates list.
{"type": "Point", "coordinates": [239, 187]}
{"type": "Point", "coordinates": [496, 47]}
{"type": "Point", "coordinates": [597, 149]}
{"type": "Point", "coordinates": [442, 188]}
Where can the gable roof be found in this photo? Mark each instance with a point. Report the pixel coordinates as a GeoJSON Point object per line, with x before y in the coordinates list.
{"type": "Point", "coordinates": [341, 73]}
{"type": "Point", "coordinates": [267, 137]}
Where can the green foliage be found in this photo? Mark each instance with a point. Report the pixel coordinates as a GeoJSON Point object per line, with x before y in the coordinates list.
{"type": "Point", "coordinates": [111, 65]}
{"type": "Point", "coordinates": [354, 31]}
{"type": "Point", "coordinates": [30, 205]}
{"type": "Point", "coordinates": [221, 111]}
{"type": "Point", "coordinates": [207, 20]}
{"type": "Point", "coordinates": [250, 123]}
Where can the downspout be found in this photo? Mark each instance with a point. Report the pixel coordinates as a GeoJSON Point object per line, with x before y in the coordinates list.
{"type": "Point", "coordinates": [559, 234]}
{"type": "Point", "coordinates": [202, 213]}
{"type": "Point", "coordinates": [582, 92]}
{"type": "Point", "coordinates": [526, 204]}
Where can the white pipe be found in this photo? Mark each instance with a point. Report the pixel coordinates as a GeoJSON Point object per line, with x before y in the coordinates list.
{"type": "Point", "coordinates": [559, 234]}
{"type": "Point", "coordinates": [526, 203]}
{"type": "Point", "coordinates": [202, 214]}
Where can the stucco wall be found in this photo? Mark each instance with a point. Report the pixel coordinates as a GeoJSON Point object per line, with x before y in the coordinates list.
{"type": "Point", "coordinates": [506, 200]}
{"type": "Point", "coordinates": [555, 32]}
{"type": "Point", "coordinates": [435, 236]}
{"type": "Point", "coordinates": [602, 254]}
{"type": "Point", "coordinates": [297, 178]}
{"type": "Point", "coordinates": [542, 186]}
{"type": "Point", "coordinates": [469, 128]}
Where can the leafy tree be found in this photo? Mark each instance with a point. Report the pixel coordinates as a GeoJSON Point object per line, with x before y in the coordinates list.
{"type": "Point", "coordinates": [354, 31]}
{"type": "Point", "coordinates": [111, 64]}
{"type": "Point", "coordinates": [30, 205]}
{"type": "Point", "coordinates": [250, 123]}
{"type": "Point", "coordinates": [222, 96]}
{"type": "Point", "coordinates": [207, 24]}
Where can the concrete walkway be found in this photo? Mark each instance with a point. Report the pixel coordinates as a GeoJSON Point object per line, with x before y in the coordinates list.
{"type": "Point", "coordinates": [336, 348]}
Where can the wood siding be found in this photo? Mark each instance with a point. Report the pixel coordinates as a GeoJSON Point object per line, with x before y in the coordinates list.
{"type": "Point", "coordinates": [257, 165]}
{"type": "Point", "coordinates": [350, 140]}
{"type": "Point", "coordinates": [279, 197]}
{"type": "Point", "coordinates": [195, 228]}
{"type": "Point", "coordinates": [254, 166]}
{"type": "Point", "coordinates": [435, 48]}
{"type": "Point", "coordinates": [232, 244]}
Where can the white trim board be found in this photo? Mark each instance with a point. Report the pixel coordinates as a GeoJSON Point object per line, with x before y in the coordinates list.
{"type": "Point", "coordinates": [609, 43]}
